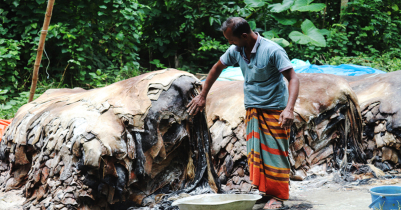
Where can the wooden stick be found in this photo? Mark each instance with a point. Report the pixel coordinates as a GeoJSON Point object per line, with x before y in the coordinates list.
{"type": "Point", "coordinates": [42, 40]}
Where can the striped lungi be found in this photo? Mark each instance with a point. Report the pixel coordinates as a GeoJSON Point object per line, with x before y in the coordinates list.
{"type": "Point", "coordinates": [267, 148]}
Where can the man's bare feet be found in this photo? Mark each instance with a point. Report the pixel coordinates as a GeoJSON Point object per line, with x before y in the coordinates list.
{"type": "Point", "coordinates": [273, 204]}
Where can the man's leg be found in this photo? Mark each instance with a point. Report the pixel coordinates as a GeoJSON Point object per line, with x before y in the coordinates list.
{"type": "Point", "coordinates": [267, 147]}
{"type": "Point", "coordinates": [273, 204]}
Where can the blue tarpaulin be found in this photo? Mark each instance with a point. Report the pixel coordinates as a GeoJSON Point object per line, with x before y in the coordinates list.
{"type": "Point", "coordinates": [231, 74]}
{"type": "Point", "coordinates": [343, 69]}
{"type": "Point", "coordinates": [234, 73]}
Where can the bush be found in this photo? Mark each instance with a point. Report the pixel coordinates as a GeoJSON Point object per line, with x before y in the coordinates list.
{"type": "Point", "coordinates": [89, 43]}
{"type": "Point", "coordinates": [94, 43]}
{"type": "Point", "coordinates": [387, 62]}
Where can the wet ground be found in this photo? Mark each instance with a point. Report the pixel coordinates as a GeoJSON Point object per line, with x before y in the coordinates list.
{"type": "Point", "coordinates": [323, 193]}
{"type": "Point", "coordinates": [320, 193]}
{"type": "Point", "coordinates": [11, 200]}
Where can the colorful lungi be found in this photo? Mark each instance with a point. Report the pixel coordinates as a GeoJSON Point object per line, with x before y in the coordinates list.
{"type": "Point", "coordinates": [267, 148]}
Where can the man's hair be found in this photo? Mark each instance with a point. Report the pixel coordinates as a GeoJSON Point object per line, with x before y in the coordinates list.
{"type": "Point", "coordinates": [237, 24]}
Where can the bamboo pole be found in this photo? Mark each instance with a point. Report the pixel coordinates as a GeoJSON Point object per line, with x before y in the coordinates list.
{"type": "Point", "coordinates": [42, 40]}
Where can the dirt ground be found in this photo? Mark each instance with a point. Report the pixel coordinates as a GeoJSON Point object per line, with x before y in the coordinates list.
{"type": "Point", "coordinates": [11, 200]}
{"type": "Point", "coordinates": [320, 193]}
{"type": "Point", "coordinates": [325, 193]}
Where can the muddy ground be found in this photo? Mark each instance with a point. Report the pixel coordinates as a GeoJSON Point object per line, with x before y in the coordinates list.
{"type": "Point", "coordinates": [321, 193]}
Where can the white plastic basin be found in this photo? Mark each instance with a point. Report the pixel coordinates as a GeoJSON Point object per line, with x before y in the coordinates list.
{"type": "Point", "coordinates": [218, 201]}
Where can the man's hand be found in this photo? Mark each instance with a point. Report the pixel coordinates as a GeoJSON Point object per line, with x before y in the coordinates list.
{"type": "Point", "coordinates": [286, 118]}
{"type": "Point", "coordinates": [197, 104]}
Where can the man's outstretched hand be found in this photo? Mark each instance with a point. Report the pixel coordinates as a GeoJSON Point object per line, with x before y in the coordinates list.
{"type": "Point", "coordinates": [196, 105]}
{"type": "Point", "coordinates": [286, 118]}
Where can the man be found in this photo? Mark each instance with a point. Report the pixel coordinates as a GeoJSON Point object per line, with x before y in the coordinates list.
{"type": "Point", "coordinates": [269, 105]}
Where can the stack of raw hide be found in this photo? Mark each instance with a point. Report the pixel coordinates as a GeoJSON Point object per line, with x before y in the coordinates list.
{"type": "Point", "coordinates": [327, 130]}
{"type": "Point", "coordinates": [379, 97]}
{"type": "Point", "coordinates": [121, 144]}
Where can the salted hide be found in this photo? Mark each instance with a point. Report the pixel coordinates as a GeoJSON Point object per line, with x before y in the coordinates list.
{"type": "Point", "coordinates": [120, 145]}
{"type": "Point", "coordinates": [327, 130]}
{"type": "Point", "coordinates": [379, 97]}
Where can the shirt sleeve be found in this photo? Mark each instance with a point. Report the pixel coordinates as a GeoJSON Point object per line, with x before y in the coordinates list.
{"type": "Point", "coordinates": [229, 58]}
{"type": "Point", "coordinates": [280, 60]}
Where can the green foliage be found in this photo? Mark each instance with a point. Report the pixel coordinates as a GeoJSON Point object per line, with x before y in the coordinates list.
{"type": "Point", "coordinates": [310, 35]}
{"type": "Point", "coordinates": [9, 57]}
{"type": "Point", "coordinates": [157, 63]}
{"type": "Point", "coordinates": [208, 43]}
{"type": "Point", "coordinates": [307, 6]}
{"type": "Point", "coordinates": [373, 26]}
{"type": "Point", "coordinates": [8, 109]}
{"type": "Point", "coordinates": [255, 3]}
{"type": "Point", "coordinates": [280, 41]}
{"type": "Point", "coordinates": [82, 41]}
{"type": "Point", "coordinates": [284, 20]}
{"type": "Point", "coordinates": [387, 62]}
{"type": "Point", "coordinates": [287, 20]}
{"type": "Point", "coordinates": [97, 42]}
{"type": "Point", "coordinates": [185, 33]}
{"type": "Point", "coordinates": [337, 44]}
{"type": "Point", "coordinates": [281, 7]}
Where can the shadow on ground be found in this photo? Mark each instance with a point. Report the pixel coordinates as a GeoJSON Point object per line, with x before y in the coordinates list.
{"type": "Point", "coordinates": [293, 203]}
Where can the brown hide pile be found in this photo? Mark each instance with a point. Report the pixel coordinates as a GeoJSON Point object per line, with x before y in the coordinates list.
{"type": "Point", "coordinates": [327, 131]}
{"type": "Point", "coordinates": [121, 144]}
{"type": "Point", "coordinates": [379, 97]}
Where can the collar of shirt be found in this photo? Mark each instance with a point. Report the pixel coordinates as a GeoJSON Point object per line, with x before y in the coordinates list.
{"type": "Point", "coordinates": [255, 47]}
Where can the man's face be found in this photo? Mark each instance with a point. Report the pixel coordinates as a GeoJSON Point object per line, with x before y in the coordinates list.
{"type": "Point", "coordinates": [238, 41]}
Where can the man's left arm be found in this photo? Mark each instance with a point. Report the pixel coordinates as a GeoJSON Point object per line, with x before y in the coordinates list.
{"type": "Point", "coordinates": [287, 116]}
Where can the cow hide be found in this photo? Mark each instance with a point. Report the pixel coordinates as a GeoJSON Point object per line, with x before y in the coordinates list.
{"type": "Point", "coordinates": [379, 97]}
{"type": "Point", "coordinates": [106, 148]}
{"type": "Point", "coordinates": [327, 130]}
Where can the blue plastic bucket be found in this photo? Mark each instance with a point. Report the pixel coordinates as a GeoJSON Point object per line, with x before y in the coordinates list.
{"type": "Point", "coordinates": [386, 198]}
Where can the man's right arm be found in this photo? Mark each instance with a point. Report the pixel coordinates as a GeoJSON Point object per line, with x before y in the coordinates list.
{"type": "Point", "coordinates": [199, 102]}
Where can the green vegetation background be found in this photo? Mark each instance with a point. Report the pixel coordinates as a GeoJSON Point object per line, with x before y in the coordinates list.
{"type": "Point", "coordinates": [93, 43]}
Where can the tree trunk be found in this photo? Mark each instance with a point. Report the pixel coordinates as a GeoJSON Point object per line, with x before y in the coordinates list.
{"type": "Point", "coordinates": [40, 48]}
{"type": "Point", "coordinates": [324, 15]}
{"type": "Point", "coordinates": [344, 4]}
{"type": "Point", "coordinates": [176, 60]}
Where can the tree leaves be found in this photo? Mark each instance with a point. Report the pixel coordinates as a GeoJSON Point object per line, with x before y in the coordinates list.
{"type": "Point", "coordinates": [273, 35]}
{"type": "Point", "coordinates": [211, 20]}
{"type": "Point", "coordinates": [270, 34]}
{"type": "Point", "coordinates": [34, 25]}
{"type": "Point", "coordinates": [214, 19]}
{"type": "Point", "coordinates": [40, 1]}
{"type": "Point", "coordinates": [252, 24]}
{"type": "Point", "coordinates": [280, 7]}
{"type": "Point", "coordinates": [255, 3]}
{"type": "Point", "coordinates": [325, 32]}
{"type": "Point", "coordinates": [310, 34]}
{"type": "Point", "coordinates": [283, 19]}
{"type": "Point", "coordinates": [16, 3]}
{"type": "Point", "coordinates": [120, 36]}
{"type": "Point", "coordinates": [306, 6]}
{"type": "Point", "coordinates": [280, 41]}
{"type": "Point", "coordinates": [299, 37]}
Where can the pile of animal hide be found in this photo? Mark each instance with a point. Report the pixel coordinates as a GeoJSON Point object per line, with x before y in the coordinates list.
{"type": "Point", "coordinates": [379, 97]}
{"type": "Point", "coordinates": [327, 130]}
{"type": "Point", "coordinates": [108, 148]}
